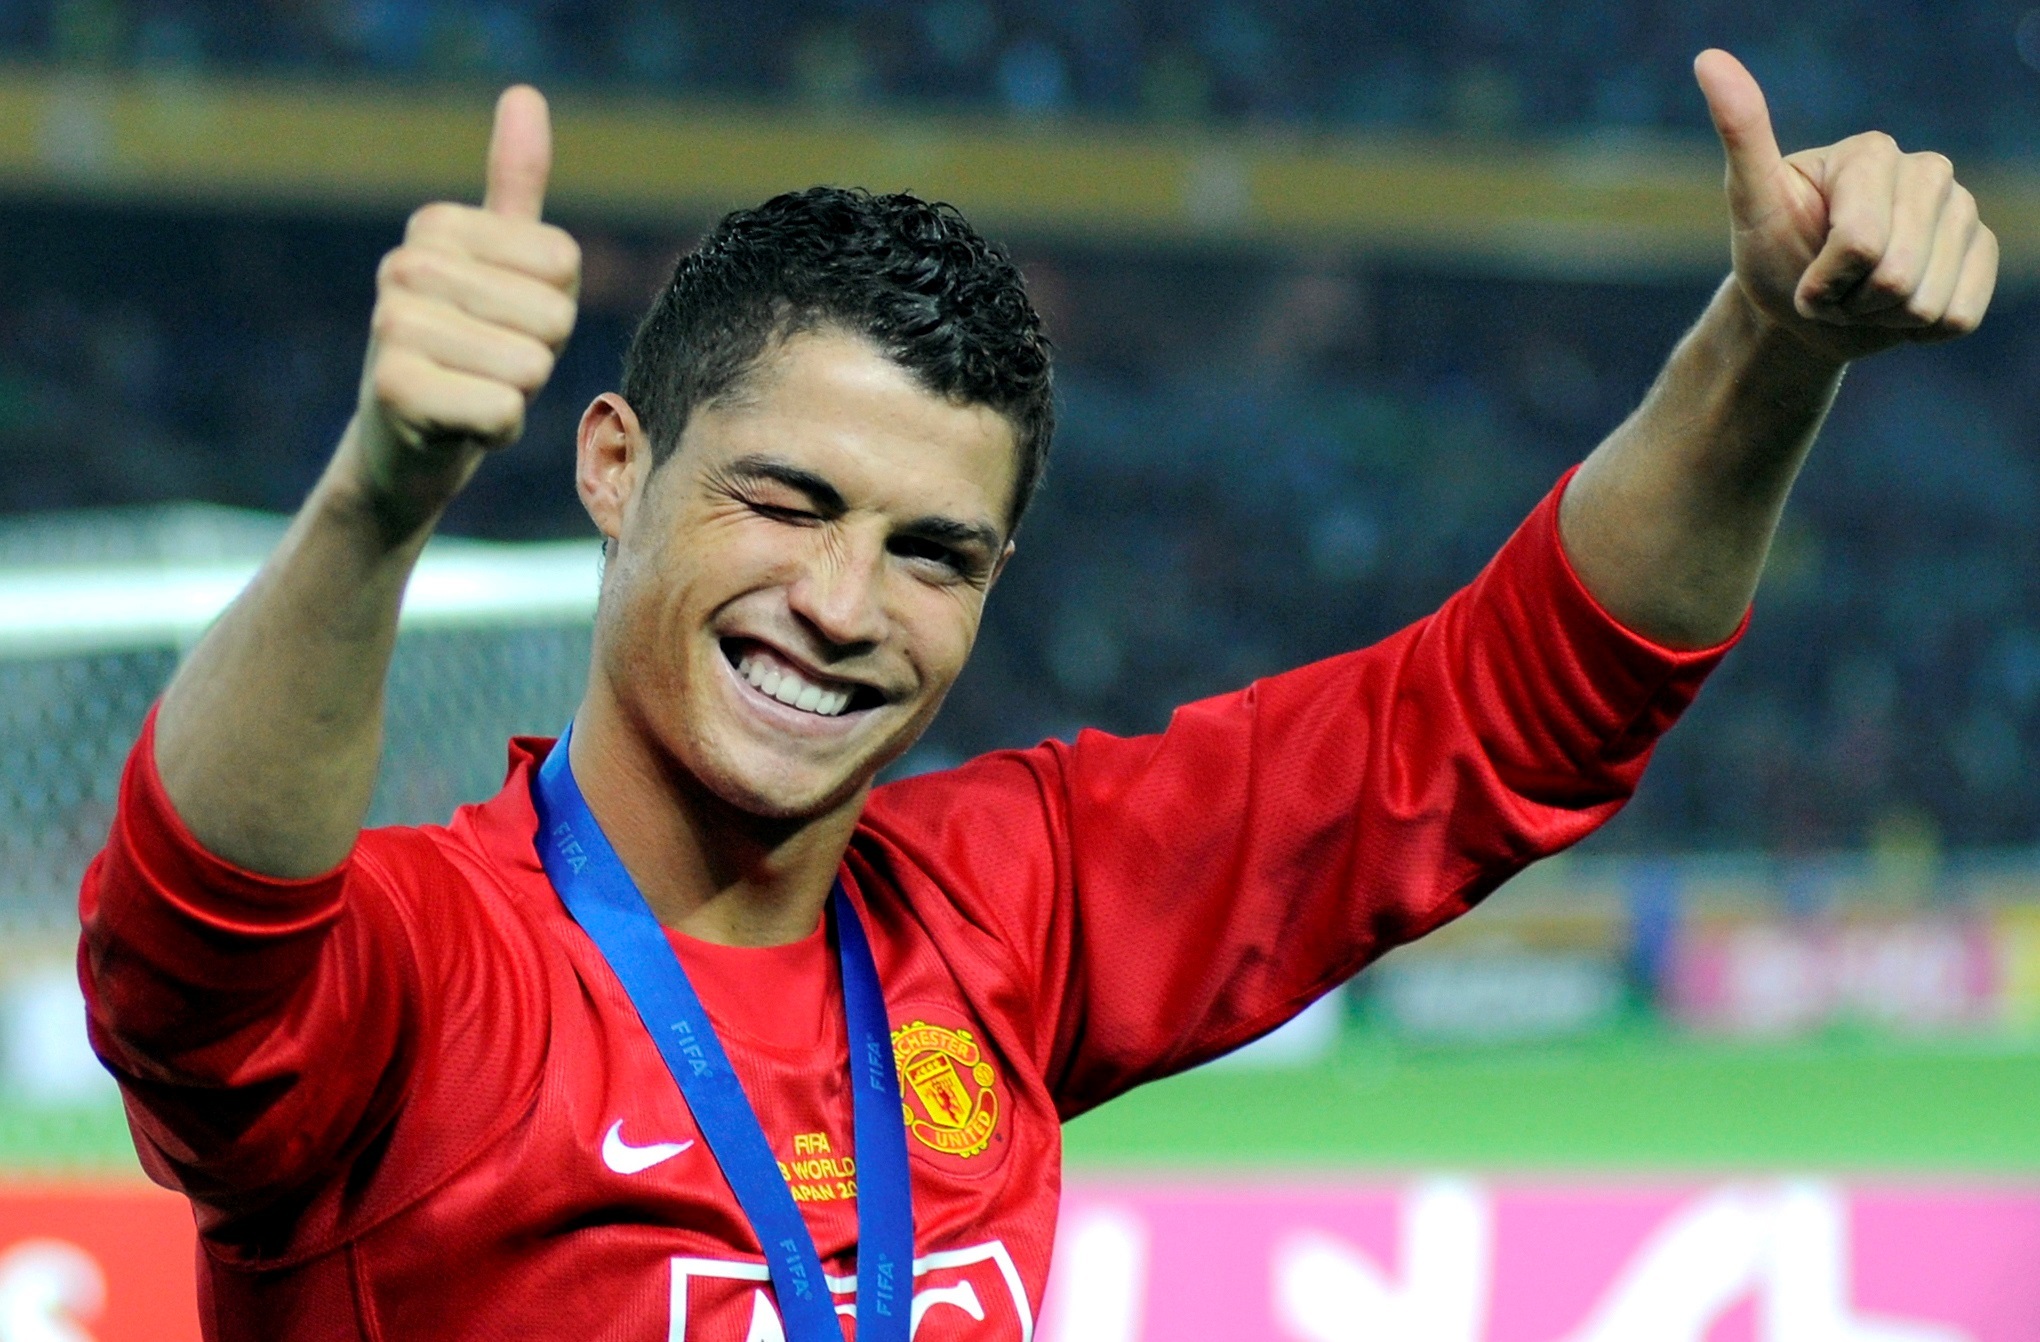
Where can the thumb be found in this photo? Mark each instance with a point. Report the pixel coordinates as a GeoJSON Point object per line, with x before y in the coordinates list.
{"type": "Point", "coordinates": [1743, 121]}
{"type": "Point", "coordinates": [520, 154]}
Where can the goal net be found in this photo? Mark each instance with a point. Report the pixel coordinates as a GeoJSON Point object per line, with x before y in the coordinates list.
{"type": "Point", "coordinates": [96, 609]}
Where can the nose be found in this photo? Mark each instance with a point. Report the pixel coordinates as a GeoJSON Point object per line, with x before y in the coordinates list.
{"type": "Point", "coordinates": [839, 592]}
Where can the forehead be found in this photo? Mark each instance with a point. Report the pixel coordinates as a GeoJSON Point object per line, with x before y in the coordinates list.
{"type": "Point", "coordinates": [831, 402]}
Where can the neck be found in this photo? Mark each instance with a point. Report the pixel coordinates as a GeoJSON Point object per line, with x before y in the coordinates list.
{"type": "Point", "coordinates": [707, 868]}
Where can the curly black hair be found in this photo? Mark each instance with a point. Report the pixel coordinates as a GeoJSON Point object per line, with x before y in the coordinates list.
{"type": "Point", "coordinates": [910, 275]}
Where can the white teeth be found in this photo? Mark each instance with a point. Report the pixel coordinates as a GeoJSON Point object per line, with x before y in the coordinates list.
{"type": "Point", "coordinates": [789, 687]}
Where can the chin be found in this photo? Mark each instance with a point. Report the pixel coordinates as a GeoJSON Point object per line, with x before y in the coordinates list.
{"type": "Point", "coordinates": [774, 790]}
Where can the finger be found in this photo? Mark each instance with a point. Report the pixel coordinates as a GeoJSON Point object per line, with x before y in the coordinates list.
{"type": "Point", "coordinates": [489, 293]}
{"type": "Point", "coordinates": [1972, 291]}
{"type": "Point", "coordinates": [520, 154]}
{"type": "Point", "coordinates": [539, 250]}
{"type": "Point", "coordinates": [453, 339]}
{"type": "Point", "coordinates": [429, 401]}
{"type": "Point", "coordinates": [1861, 189]}
{"type": "Point", "coordinates": [1923, 185]}
{"type": "Point", "coordinates": [1743, 121]}
{"type": "Point", "coordinates": [1954, 234]}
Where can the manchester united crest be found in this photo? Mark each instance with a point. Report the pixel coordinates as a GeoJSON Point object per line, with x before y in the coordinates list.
{"type": "Point", "coordinates": [947, 1088]}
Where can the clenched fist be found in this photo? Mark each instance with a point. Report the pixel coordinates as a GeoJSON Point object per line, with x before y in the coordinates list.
{"type": "Point", "coordinates": [470, 314]}
{"type": "Point", "coordinates": [1854, 247]}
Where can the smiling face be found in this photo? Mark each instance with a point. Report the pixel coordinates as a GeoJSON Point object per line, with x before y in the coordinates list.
{"type": "Point", "coordinates": [794, 590]}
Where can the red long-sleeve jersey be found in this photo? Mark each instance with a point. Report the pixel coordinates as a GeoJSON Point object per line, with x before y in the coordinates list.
{"type": "Point", "coordinates": [408, 1099]}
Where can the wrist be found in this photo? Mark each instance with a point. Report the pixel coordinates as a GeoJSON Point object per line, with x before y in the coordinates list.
{"type": "Point", "coordinates": [1773, 353]}
{"type": "Point", "coordinates": [370, 485]}
{"type": "Point", "coordinates": [401, 489]}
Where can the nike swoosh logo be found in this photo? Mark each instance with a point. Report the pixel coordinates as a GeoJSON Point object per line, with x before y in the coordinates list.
{"type": "Point", "coordinates": [624, 1158]}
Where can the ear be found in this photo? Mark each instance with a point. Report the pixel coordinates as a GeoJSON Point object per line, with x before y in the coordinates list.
{"type": "Point", "coordinates": [612, 458]}
{"type": "Point", "coordinates": [999, 566]}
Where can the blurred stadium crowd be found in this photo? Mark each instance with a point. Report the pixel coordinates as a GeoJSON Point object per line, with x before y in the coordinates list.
{"type": "Point", "coordinates": [1267, 458]}
{"type": "Point", "coordinates": [1270, 451]}
{"type": "Point", "coordinates": [1956, 77]}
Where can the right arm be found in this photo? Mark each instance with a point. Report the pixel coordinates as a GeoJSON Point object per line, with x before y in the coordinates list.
{"type": "Point", "coordinates": [252, 986]}
{"type": "Point", "coordinates": [269, 736]}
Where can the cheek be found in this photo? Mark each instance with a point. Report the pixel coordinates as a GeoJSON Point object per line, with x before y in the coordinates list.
{"type": "Point", "coordinates": [940, 628]}
{"type": "Point", "coordinates": [721, 561]}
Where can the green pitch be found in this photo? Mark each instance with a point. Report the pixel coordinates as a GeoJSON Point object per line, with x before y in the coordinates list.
{"type": "Point", "coordinates": [1636, 1100]}
{"type": "Point", "coordinates": [1627, 1101]}
{"type": "Point", "coordinates": [63, 1141]}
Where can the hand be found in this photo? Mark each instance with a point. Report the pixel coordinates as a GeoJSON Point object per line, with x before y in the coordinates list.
{"type": "Point", "coordinates": [1852, 248]}
{"type": "Point", "coordinates": [470, 314]}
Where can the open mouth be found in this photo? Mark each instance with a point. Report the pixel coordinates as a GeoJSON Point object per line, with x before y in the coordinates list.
{"type": "Point", "coordinates": [765, 670]}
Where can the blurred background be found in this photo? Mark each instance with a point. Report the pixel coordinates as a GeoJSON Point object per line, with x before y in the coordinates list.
{"type": "Point", "coordinates": [1338, 291]}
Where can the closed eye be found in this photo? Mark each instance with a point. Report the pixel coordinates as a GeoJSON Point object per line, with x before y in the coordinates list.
{"type": "Point", "coordinates": [780, 513]}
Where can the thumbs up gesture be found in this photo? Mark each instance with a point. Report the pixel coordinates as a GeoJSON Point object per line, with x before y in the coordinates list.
{"type": "Point", "coordinates": [1854, 247]}
{"type": "Point", "coordinates": [471, 311]}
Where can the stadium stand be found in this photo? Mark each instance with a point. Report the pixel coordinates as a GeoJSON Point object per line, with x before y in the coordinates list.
{"type": "Point", "coordinates": [1958, 77]}
{"type": "Point", "coordinates": [1337, 290]}
{"type": "Point", "coordinates": [1283, 455]}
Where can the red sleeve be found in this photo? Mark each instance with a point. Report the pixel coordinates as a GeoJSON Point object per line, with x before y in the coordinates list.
{"type": "Point", "coordinates": [257, 1026]}
{"type": "Point", "coordinates": [1171, 897]}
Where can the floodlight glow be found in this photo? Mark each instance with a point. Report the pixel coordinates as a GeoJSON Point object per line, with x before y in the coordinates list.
{"type": "Point", "coordinates": [56, 611]}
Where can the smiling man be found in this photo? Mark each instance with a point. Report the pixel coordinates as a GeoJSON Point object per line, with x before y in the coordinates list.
{"type": "Point", "coordinates": [692, 1033]}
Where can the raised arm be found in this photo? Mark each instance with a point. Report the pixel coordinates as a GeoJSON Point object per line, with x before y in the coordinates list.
{"type": "Point", "coordinates": [1839, 252]}
{"type": "Point", "coordinates": [269, 737]}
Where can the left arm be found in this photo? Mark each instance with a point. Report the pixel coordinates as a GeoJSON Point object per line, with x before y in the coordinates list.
{"type": "Point", "coordinates": [1839, 252]}
{"type": "Point", "coordinates": [1162, 899]}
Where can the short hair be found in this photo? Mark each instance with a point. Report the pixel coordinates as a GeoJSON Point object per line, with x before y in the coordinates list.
{"type": "Point", "coordinates": [910, 275]}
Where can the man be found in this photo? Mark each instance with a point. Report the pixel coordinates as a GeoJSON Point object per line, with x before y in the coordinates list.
{"type": "Point", "coordinates": [470, 1082]}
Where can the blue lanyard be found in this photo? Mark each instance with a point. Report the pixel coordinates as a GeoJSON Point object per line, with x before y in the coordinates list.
{"type": "Point", "coordinates": [606, 903]}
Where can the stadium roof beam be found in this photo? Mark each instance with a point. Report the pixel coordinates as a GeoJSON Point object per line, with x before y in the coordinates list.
{"type": "Point", "coordinates": [1612, 207]}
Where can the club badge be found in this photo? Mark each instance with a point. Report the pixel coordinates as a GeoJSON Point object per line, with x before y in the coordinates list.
{"type": "Point", "coordinates": [947, 1087]}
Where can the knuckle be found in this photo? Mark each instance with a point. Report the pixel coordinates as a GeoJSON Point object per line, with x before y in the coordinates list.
{"type": "Point", "coordinates": [563, 254]}
{"type": "Point", "coordinates": [500, 416]}
{"type": "Point", "coordinates": [1894, 277]}
{"type": "Point", "coordinates": [399, 318]}
{"type": "Point", "coordinates": [395, 381]}
{"type": "Point", "coordinates": [404, 267]}
{"type": "Point", "coordinates": [1857, 250]}
{"type": "Point", "coordinates": [432, 220]}
{"type": "Point", "coordinates": [536, 367]}
{"type": "Point", "coordinates": [386, 321]}
{"type": "Point", "coordinates": [1937, 165]}
{"type": "Point", "coordinates": [558, 322]}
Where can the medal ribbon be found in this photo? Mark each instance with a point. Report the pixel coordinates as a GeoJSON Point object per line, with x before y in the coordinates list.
{"type": "Point", "coordinates": [606, 902]}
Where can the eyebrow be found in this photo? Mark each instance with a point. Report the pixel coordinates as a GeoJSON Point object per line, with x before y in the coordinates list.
{"type": "Point", "coordinates": [820, 492]}
{"type": "Point", "coordinates": [828, 499]}
{"type": "Point", "coordinates": [962, 535]}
